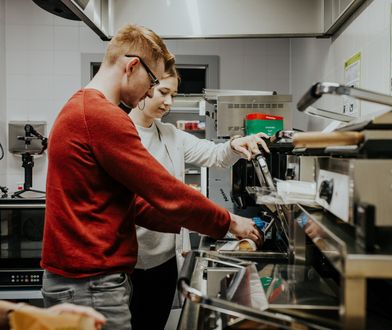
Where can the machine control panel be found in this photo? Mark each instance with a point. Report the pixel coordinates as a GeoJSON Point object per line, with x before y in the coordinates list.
{"type": "Point", "coordinates": [333, 193]}
{"type": "Point", "coordinates": [21, 278]}
{"type": "Point", "coordinates": [326, 190]}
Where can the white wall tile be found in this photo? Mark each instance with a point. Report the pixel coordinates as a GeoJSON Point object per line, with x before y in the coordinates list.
{"type": "Point", "coordinates": [26, 12]}
{"type": "Point", "coordinates": [16, 37]}
{"type": "Point", "coordinates": [17, 62]}
{"type": "Point", "coordinates": [17, 109]}
{"type": "Point", "coordinates": [39, 87]}
{"type": "Point", "coordinates": [255, 47]}
{"type": "Point", "coordinates": [89, 42]}
{"type": "Point", "coordinates": [374, 52]}
{"type": "Point", "coordinates": [171, 45]}
{"type": "Point", "coordinates": [40, 62]}
{"type": "Point", "coordinates": [277, 46]}
{"type": "Point", "coordinates": [16, 86]}
{"type": "Point", "coordinates": [38, 110]}
{"type": "Point", "coordinates": [254, 71]}
{"type": "Point", "coordinates": [231, 72]}
{"type": "Point", "coordinates": [59, 21]}
{"type": "Point", "coordinates": [29, 37]}
{"type": "Point", "coordinates": [40, 37]}
{"type": "Point", "coordinates": [67, 62]}
{"type": "Point", "coordinates": [65, 86]}
{"type": "Point", "coordinates": [66, 38]}
{"type": "Point", "coordinates": [231, 47]}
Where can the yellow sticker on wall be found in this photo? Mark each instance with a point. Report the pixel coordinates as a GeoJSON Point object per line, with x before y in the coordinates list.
{"type": "Point", "coordinates": [352, 78]}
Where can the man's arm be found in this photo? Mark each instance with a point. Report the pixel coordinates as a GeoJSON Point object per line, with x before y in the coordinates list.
{"type": "Point", "coordinates": [118, 149]}
{"type": "Point", "coordinates": [149, 217]}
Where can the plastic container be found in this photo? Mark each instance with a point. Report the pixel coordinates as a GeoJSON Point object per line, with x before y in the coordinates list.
{"type": "Point", "coordinates": [260, 122]}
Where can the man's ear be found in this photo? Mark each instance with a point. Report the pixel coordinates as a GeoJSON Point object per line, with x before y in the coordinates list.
{"type": "Point", "coordinates": [131, 66]}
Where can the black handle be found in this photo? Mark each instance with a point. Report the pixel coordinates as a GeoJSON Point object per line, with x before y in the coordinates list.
{"type": "Point", "coordinates": [187, 269]}
{"type": "Point", "coordinates": [309, 98]}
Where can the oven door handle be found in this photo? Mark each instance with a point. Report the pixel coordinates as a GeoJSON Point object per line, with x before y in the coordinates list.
{"type": "Point", "coordinates": [22, 206]}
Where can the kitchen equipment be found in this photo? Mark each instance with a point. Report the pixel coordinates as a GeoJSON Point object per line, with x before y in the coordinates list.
{"type": "Point", "coordinates": [227, 292]}
{"type": "Point", "coordinates": [262, 172]}
{"type": "Point", "coordinates": [340, 247]}
{"type": "Point", "coordinates": [322, 88]}
{"type": "Point", "coordinates": [225, 114]}
{"type": "Point", "coordinates": [25, 148]}
{"type": "Point", "coordinates": [352, 167]}
{"type": "Point", "coordinates": [229, 109]}
{"type": "Point", "coordinates": [362, 172]}
{"type": "Point", "coordinates": [21, 233]}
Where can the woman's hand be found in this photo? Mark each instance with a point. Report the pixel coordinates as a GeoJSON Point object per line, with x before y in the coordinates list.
{"type": "Point", "coordinates": [83, 310]}
{"type": "Point", "coordinates": [244, 228]}
{"type": "Point", "coordinates": [249, 145]}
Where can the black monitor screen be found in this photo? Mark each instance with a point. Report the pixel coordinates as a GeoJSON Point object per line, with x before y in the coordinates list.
{"type": "Point", "coordinates": [193, 80]}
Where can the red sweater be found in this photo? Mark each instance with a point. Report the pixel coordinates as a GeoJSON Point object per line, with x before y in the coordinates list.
{"type": "Point", "coordinates": [101, 181]}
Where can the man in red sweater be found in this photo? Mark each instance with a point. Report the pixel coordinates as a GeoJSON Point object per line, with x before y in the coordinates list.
{"type": "Point", "coordinates": [101, 181]}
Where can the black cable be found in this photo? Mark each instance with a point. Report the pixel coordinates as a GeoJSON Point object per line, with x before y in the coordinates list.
{"type": "Point", "coordinates": [2, 152]}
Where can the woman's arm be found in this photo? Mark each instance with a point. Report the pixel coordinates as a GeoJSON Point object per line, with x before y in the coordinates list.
{"type": "Point", "coordinates": [202, 152]}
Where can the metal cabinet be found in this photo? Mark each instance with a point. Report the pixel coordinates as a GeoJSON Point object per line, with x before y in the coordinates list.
{"type": "Point", "coordinates": [336, 12]}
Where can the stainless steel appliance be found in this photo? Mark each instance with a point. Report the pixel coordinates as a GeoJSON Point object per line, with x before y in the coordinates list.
{"type": "Point", "coordinates": [225, 116]}
{"type": "Point", "coordinates": [338, 247]}
{"type": "Point", "coordinates": [21, 233]}
{"type": "Point", "coordinates": [229, 108]}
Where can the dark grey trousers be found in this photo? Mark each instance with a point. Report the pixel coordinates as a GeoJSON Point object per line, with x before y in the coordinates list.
{"type": "Point", "coordinates": [108, 294]}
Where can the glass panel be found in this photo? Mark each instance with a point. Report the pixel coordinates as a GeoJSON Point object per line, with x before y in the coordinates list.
{"type": "Point", "coordinates": [21, 233]}
{"type": "Point", "coordinates": [297, 286]}
{"type": "Point", "coordinates": [193, 80]}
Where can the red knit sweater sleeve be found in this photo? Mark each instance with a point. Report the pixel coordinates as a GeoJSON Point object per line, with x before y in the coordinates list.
{"type": "Point", "coordinates": [149, 217]}
{"type": "Point", "coordinates": [117, 147]}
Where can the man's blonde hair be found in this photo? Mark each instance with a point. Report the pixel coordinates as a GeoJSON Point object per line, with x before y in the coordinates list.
{"type": "Point", "coordinates": [141, 41]}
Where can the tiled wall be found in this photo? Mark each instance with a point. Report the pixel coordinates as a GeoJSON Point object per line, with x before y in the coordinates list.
{"type": "Point", "coordinates": [315, 60]}
{"type": "Point", "coordinates": [43, 70]}
{"type": "Point", "coordinates": [2, 93]}
{"type": "Point", "coordinates": [43, 54]}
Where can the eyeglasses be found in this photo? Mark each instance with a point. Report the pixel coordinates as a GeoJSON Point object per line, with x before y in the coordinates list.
{"type": "Point", "coordinates": [154, 80]}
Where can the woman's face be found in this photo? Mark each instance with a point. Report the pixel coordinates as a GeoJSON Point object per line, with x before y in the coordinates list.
{"type": "Point", "coordinates": [162, 99]}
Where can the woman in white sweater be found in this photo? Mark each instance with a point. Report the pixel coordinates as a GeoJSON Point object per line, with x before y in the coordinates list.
{"type": "Point", "coordinates": [155, 276]}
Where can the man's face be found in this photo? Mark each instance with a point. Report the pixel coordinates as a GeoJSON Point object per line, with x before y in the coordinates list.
{"type": "Point", "coordinates": [140, 83]}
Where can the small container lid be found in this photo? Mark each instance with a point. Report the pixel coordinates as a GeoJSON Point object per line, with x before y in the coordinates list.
{"type": "Point", "coordinates": [262, 116]}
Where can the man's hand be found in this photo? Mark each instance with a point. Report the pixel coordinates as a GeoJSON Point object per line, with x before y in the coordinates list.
{"type": "Point", "coordinates": [244, 228]}
{"type": "Point", "coordinates": [249, 145]}
{"type": "Point", "coordinates": [99, 319]}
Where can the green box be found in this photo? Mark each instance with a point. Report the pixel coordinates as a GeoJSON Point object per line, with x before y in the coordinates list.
{"type": "Point", "coordinates": [269, 127]}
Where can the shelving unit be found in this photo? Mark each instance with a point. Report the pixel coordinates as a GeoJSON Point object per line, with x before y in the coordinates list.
{"type": "Point", "coordinates": [186, 107]}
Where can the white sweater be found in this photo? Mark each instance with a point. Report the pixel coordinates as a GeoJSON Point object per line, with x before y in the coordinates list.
{"type": "Point", "coordinates": [173, 148]}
